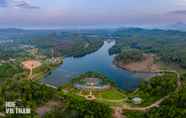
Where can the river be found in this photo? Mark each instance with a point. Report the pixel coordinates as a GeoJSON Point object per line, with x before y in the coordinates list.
{"type": "Point", "coordinates": [99, 61]}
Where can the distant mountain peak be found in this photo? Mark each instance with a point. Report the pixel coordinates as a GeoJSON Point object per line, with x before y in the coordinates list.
{"type": "Point", "coordinates": [10, 29]}
{"type": "Point", "coordinates": [181, 26]}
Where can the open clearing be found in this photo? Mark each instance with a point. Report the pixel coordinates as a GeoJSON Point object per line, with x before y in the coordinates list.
{"type": "Point", "coordinates": [31, 64]}
{"type": "Point", "coordinates": [147, 65]}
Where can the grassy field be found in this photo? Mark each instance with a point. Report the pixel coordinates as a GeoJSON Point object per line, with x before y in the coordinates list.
{"type": "Point", "coordinates": [112, 94]}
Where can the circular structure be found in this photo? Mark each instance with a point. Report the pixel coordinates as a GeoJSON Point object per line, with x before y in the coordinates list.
{"type": "Point", "coordinates": [92, 83]}
{"type": "Point", "coordinates": [31, 64]}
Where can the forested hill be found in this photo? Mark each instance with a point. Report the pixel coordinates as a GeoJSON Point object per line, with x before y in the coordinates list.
{"type": "Point", "coordinates": [169, 45]}
{"type": "Point", "coordinates": [15, 42]}
{"type": "Point", "coordinates": [67, 44]}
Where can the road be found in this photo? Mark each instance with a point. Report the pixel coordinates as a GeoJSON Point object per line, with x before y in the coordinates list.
{"type": "Point", "coordinates": [117, 112]}
{"type": "Point", "coordinates": [157, 103]}
{"type": "Point", "coordinates": [143, 109]}
{"type": "Point", "coordinates": [51, 86]}
{"type": "Point", "coordinates": [2, 114]}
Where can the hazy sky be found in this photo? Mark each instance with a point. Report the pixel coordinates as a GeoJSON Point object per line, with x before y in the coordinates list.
{"type": "Point", "coordinates": [64, 13]}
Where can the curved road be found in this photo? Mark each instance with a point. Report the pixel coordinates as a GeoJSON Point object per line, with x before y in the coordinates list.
{"type": "Point", "coordinates": [157, 103]}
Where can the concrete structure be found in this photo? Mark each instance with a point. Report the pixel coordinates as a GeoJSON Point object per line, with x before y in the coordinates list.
{"type": "Point", "coordinates": [136, 100]}
{"type": "Point", "coordinates": [92, 83]}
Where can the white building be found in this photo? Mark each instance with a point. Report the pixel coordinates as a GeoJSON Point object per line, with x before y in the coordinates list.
{"type": "Point", "coordinates": [136, 100]}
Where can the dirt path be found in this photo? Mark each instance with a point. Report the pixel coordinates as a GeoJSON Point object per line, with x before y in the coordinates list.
{"type": "Point", "coordinates": [2, 114]}
{"type": "Point", "coordinates": [117, 113]}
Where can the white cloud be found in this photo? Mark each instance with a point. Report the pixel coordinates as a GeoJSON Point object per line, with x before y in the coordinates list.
{"type": "Point", "coordinates": [25, 4]}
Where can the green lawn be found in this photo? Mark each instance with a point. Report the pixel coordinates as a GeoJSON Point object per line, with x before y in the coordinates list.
{"type": "Point", "coordinates": [112, 94]}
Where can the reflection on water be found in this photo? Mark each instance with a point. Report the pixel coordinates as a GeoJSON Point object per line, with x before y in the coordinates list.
{"type": "Point", "coordinates": [99, 61]}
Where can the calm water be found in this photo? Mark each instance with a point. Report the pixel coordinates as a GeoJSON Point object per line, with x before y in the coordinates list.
{"type": "Point", "coordinates": [99, 61]}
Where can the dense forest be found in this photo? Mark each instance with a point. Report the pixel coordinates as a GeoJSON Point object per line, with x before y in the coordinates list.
{"type": "Point", "coordinates": [159, 85]}
{"type": "Point", "coordinates": [9, 70]}
{"type": "Point", "coordinates": [129, 55]}
{"type": "Point", "coordinates": [72, 45]}
{"type": "Point", "coordinates": [27, 93]}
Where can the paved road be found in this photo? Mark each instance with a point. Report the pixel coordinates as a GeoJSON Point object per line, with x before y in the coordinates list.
{"type": "Point", "coordinates": [118, 113]}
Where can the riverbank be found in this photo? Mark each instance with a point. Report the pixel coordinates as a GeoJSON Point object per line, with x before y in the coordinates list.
{"type": "Point", "coordinates": [147, 65]}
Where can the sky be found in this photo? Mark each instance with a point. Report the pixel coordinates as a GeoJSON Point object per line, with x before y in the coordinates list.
{"type": "Point", "coordinates": [76, 13]}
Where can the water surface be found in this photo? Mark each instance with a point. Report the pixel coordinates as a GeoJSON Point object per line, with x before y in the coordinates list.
{"type": "Point", "coordinates": [99, 61]}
